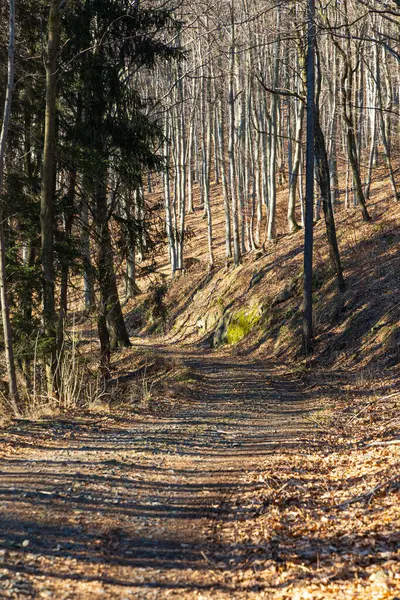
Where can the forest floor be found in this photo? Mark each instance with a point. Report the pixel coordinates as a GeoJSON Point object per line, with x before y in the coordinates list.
{"type": "Point", "coordinates": [256, 483]}
{"type": "Point", "coordinates": [239, 472]}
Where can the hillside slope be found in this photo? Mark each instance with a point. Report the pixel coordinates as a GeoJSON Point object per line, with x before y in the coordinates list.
{"type": "Point", "coordinates": [255, 309]}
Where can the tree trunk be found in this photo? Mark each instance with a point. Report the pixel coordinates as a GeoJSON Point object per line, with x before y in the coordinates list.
{"type": "Point", "coordinates": [346, 82]}
{"type": "Point", "coordinates": [110, 307]}
{"type": "Point", "coordinates": [293, 225]}
{"type": "Point", "coordinates": [231, 148]}
{"type": "Point", "coordinates": [373, 131]}
{"type": "Point", "coordinates": [323, 177]}
{"type": "Point", "coordinates": [273, 144]}
{"type": "Point", "coordinates": [324, 185]}
{"type": "Point", "coordinates": [48, 193]}
{"type": "Point", "coordinates": [227, 212]}
{"type": "Point", "coordinates": [5, 310]}
{"type": "Point", "coordinates": [131, 288]}
{"type": "Point", "coordinates": [167, 201]}
{"type": "Point", "coordinates": [308, 225]}
{"type": "Point", "coordinates": [384, 128]}
{"type": "Point", "coordinates": [88, 274]}
{"type": "Point", "coordinates": [207, 142]}
{"type": "Point", "coordinates": [65, 262]}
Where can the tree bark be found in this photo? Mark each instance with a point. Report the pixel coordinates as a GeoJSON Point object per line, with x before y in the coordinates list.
{"type": "Point", "coordinates": [221, 149]}
{"type": "Point", "coordinates": [309, 209]}
{"type": "Point", "coordinates": [48, 193]}
{"type": "Point", "coordinates": [167, 200]}
{"type": "Point", "coordinates": [231, 148]}
{"type": "Point", "coordinates": [384, 128]}
{"type": "Point", "coordinates": [324, 185]}
{"type": "Point", "coordinates": [110, 307]}
{"type": "Point", "coordinates": [88, 275]}
{"type": "Point", "coordinates": [293, 225]}
{"type": "Point", "coordinates": [5, 309]}
{"type": "Point", "coordinates": [323, 177]}
{"type": "Point", "coordinates": [273, 144]}
{"type": "Point", "coordinates": [346, 84]}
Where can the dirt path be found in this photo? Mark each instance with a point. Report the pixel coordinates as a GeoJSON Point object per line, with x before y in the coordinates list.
{"type": "Point", "coordinates": [129, 509]}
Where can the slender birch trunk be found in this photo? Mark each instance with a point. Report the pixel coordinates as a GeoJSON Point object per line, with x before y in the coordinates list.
{"type": "Point", "coordinates": [308, 226]}
{"type": "Point", "coordinates": [273, 144]}
{"type": "Point", "coordinates": [384, 128]}
{"type": "Point", "coordinates": [373, 132]}
{"type": "Point", "coordinates": [294, 175]}
{"type": "Point", "coordinates": [225, 191]}
{"type": "Point", "coordinates": [231, 149]}
{"type": "Point", "coordinates": [167, 199]}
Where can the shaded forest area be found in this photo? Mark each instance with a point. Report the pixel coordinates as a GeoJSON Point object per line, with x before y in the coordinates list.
{"type": "Point", "coordinates": [199, 287]}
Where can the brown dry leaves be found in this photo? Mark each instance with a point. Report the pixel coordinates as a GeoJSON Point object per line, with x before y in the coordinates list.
{"type": "Point", "coordinates": [319, 523]}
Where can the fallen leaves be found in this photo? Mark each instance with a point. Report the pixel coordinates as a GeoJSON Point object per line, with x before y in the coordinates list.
{"type": "Point", "coordinates": [322, 523]}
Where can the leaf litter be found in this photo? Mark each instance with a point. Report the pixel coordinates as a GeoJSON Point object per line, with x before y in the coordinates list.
{"type": "Point", "coordinates": [224, 495]}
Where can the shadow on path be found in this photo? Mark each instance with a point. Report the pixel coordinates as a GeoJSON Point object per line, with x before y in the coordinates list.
{"type": "Point", "coordinates": [135, 503]}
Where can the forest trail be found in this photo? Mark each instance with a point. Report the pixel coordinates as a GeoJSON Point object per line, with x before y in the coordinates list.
{"type": "Point", "coordinates": [128, 508]}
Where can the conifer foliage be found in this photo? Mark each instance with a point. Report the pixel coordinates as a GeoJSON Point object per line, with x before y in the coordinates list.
{"type": "Point", "coordinates": [81, 137]}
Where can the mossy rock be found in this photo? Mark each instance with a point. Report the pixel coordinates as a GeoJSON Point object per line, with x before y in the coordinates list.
{"type": "Point", "coordinates": [235, 326]}
{"type": "Point", "coordinates": [241, 324]}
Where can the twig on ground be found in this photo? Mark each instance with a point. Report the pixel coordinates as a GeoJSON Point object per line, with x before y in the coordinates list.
{"type": "Point", "coordinates": [384, 443]}
{"type": "Point", "coordinates": [206, 558]}
{"type": "Point", "coordinates": [364, 408]}
{"type": "Point", "coordinates": [394, 482]}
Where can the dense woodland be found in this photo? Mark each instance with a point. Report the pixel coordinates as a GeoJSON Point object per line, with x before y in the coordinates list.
{"type": "Point", "coordinates": [111, 105]}
{"type": "Point", "coordinates": [199, 290]}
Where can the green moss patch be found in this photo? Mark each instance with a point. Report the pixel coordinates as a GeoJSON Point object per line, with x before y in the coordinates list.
{"type": "Point", "coordinates": [241, 324]}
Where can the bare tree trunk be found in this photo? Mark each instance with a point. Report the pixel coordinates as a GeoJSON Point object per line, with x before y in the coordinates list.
{"type": "Point", "coordinates": [110, 307]}
{"type": "Point", "coordinates": [332, 143]}
{"type": "Point", "coordinates": [231, 149]}
{"type": "Point", "coordinates": [384, 129]}
{"type": "Point", "coordinates": [207, 142]}
{"type": "Point", "coordinates": [293, 225]}
{"type": "Point", "coordinates": [273, 142]}
{"type": "Point", "coordinates": [182, 167]}
{"type": "Point", "coordinates": [5, 310]}
{"type": "Point", "coordinates": [167, 200]}
{"type": "Point", "coordinates": [48, 192]}
{"type": "Point", "coordinates": [130, 279]}
{"type": "Point", "coordinates": [301, 194]}
{"type": "Point", "coordinates": [373, 128]}
{"type": "Point", "coordinates": [189, 167]}
{"type": "Point", "coordinates": [324, 184]}
{"type": "Point", "coordinates": [221, 148]}
{"type": "Point", "coordinates": [323, 177]}
{"type": "Point", "coordinates": [346, 84]}
{"type": "Point", "coordinates": [88, 288]}
{"type": "Point", "coordinates": [308, 225]}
